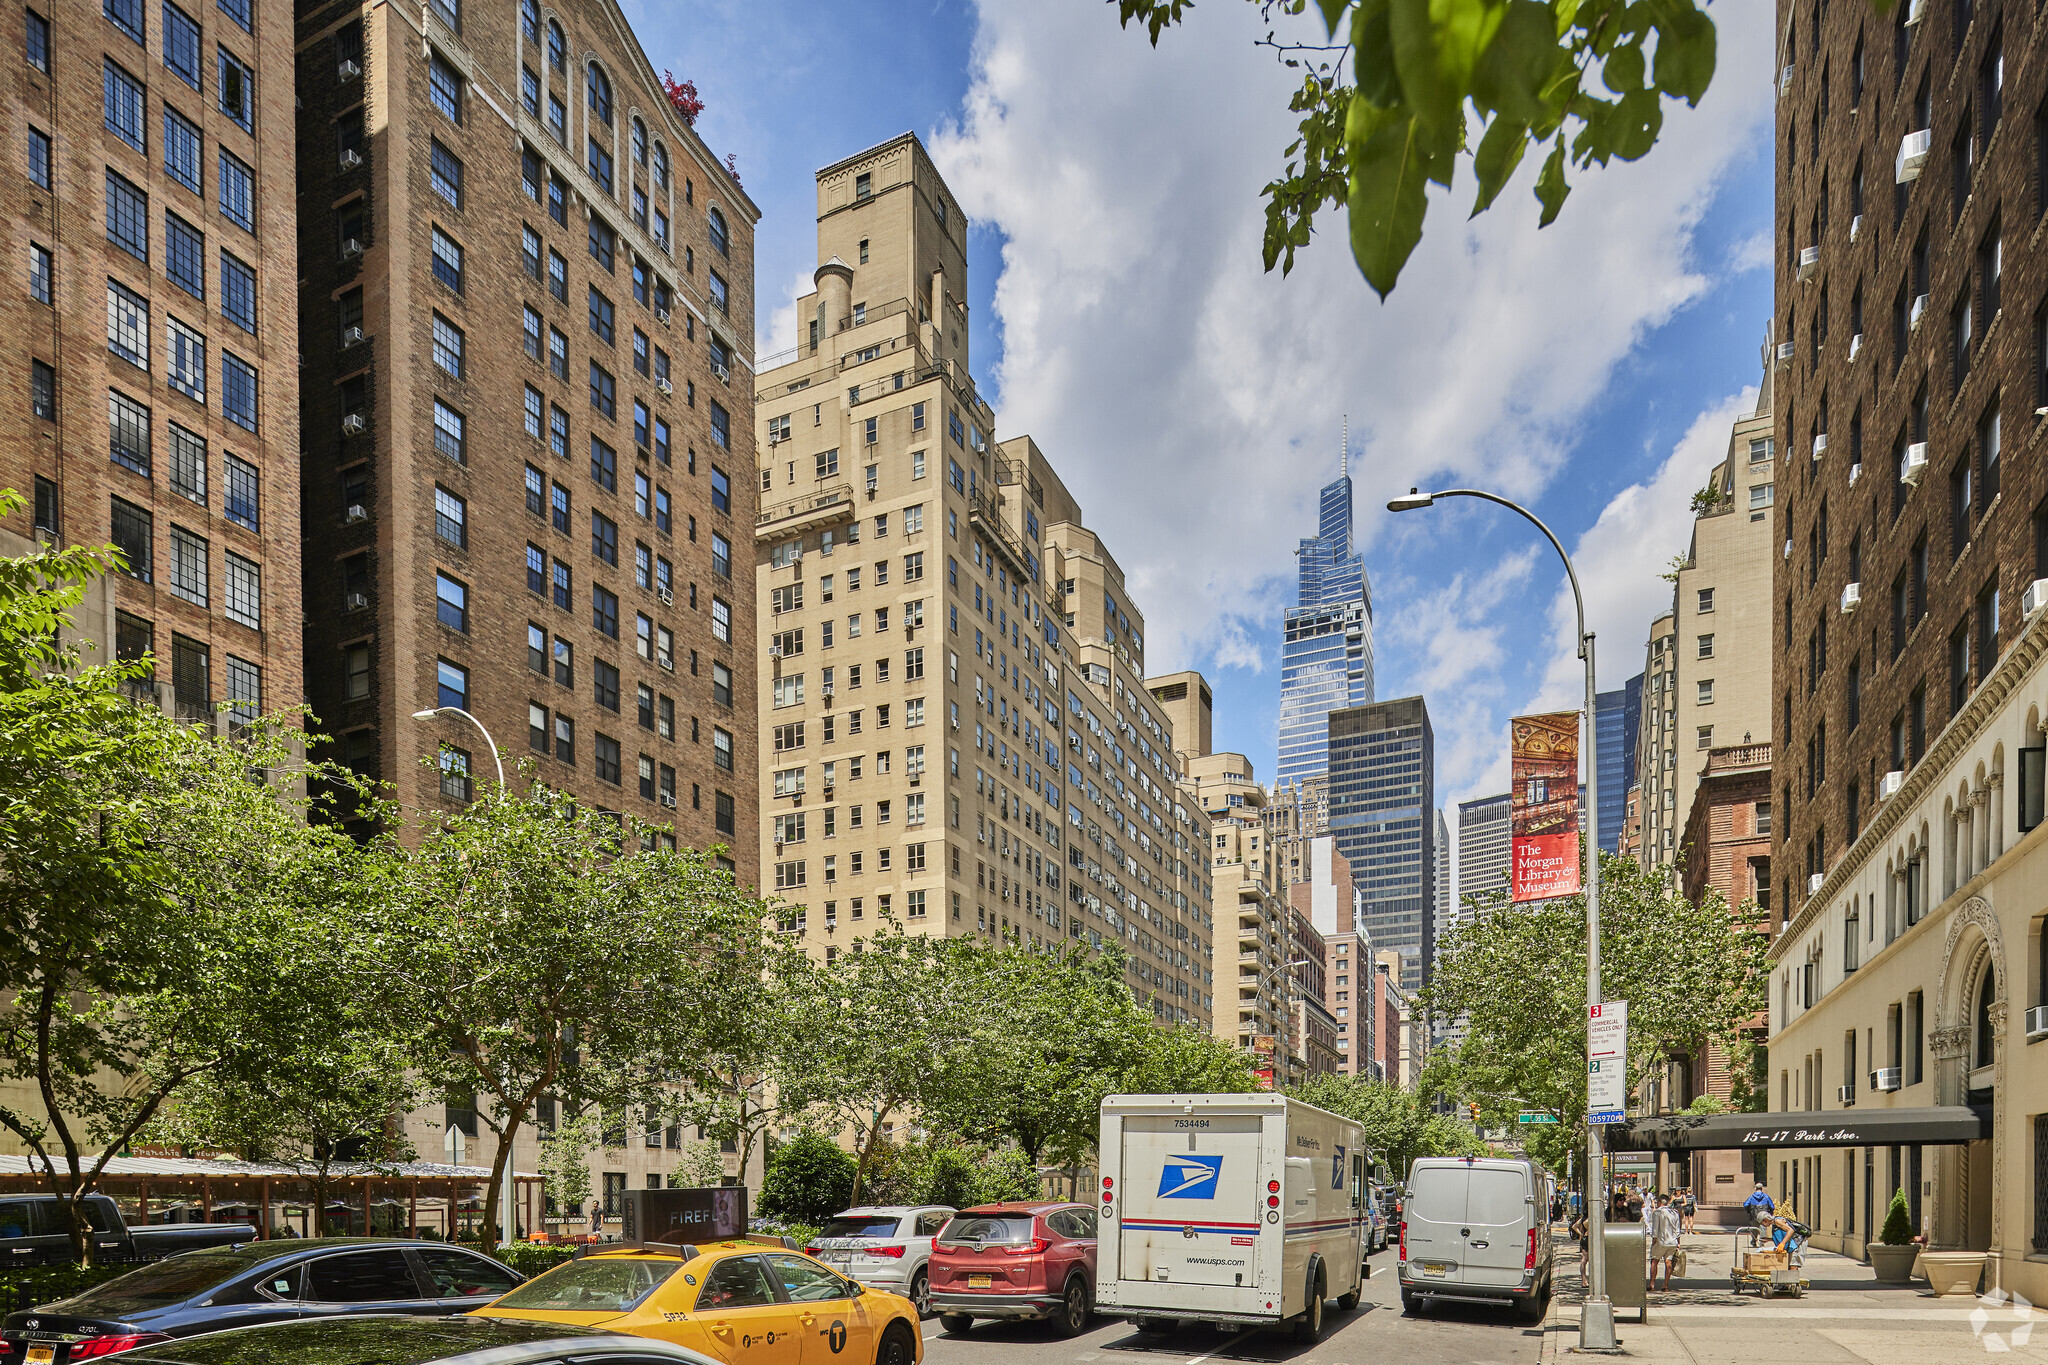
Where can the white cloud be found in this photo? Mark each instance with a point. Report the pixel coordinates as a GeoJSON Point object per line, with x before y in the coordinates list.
{"type": "Point", "coordinates": [1751, 253]}
{"type": "Point", "coordinates": [1192, 401]}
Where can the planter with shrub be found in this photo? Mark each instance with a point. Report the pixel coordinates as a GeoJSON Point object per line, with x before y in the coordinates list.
{"type": "Point", "coordinates": [1891, 1255]}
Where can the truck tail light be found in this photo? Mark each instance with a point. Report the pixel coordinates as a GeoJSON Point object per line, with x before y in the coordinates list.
{"type": "Point", "coordinates": [1108, 1182]}
{"type": "Point", "coordinates": [1529, 1259]}
{"type": "Point", "coordinates": [1034, 1247]}
{"type": "Point", "coordinates": [92, 1348]}
{"type": "Point", "coordinates": [1404, 1241]}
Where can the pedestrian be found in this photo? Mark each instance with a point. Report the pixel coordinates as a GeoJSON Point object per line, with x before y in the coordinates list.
{"type": "Point", "coordinates": [1761, 1208]}
{"type": "Point", "coordinates": [1664, 1232]}
{"type": "Point", "coordinates": [1635, 1203]}
{"type": "Point", "coordinates": [1688, 1209]}
{"type": "Point", "coordinates": [596, 1219]}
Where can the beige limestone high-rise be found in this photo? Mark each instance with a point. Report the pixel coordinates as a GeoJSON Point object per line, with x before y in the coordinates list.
{"type": "Point", "coordinates": [955, 735]}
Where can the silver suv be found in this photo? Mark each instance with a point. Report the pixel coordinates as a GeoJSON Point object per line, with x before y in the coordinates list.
{"type": "Point", "coordinates": [884, 1247]}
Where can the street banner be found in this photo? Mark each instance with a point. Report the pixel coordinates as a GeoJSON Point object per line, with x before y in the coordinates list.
{"type": "Point", "coordinates": [1544, 817]}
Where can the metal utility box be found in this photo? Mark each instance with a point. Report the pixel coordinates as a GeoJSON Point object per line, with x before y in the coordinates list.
{"type": "Point", "coordinates": [1627, 1249]}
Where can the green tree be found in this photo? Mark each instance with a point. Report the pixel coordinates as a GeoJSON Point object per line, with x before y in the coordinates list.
{"type": "Point", "coordinates": [1515, 976]}
{"type": "Point", "coordinates": [1404, 90]}
{"type": "Point", "coordinates": [1398, 1124]}
{"type": "Point", "coordinates": [809, 1178]}
{"type": "Point", "coordinates": [153, 875]}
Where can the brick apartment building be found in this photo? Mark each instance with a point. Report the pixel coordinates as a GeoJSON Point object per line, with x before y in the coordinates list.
{"type": "Point", "coordinates": [526, 302]}
{"type": "Point", "coordinates": [153, 334]}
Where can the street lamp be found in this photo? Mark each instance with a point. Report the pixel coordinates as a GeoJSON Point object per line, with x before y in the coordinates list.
{"type": "Point", "coordinates": [1596, 1319]}
{"type": "Point", "coordinates": [507, 1216]}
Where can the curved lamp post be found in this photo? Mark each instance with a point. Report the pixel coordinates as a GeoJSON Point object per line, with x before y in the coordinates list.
{"type": "Point", "coordinates": [458, 711]}
{"type": "Point", "coordinates": [1596, 1321]}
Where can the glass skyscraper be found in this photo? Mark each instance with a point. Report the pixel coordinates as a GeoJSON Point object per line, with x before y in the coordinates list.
{"type": "Point", "coordinates": [1383, 818]}
{"type": "Point", "coordinates": [1326, 651]}
{"type": "Point", "coordinates": [1619, 715]}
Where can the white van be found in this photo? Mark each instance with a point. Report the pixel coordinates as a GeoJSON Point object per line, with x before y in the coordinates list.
{"type": "Point", "coordinates": [1477, 1228]}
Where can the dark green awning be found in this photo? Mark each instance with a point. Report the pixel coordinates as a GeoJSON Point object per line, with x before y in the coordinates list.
{"type": "Point", "coordinates": [1941, 1125]}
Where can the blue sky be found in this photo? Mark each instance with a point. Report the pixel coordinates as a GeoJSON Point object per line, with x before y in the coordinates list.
{"type": "Point", "coordinates": [1193, 403]}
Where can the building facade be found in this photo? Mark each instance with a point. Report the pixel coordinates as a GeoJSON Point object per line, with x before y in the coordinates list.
{"type": "Point", "coordinates": [1618, 719]}
{"type": "Point", "coordinates": [1484, 849]}
{"type": "Point", "coordinates": [1252, 907]}
{"type": "Point", "coordinates": [1382, 817]}
{"type": "Point", "coordinates": [153, 330]}
{"type": "Point", "coordinates": [959, 739]}
{"type": "Point", "coordinates": [1326, 654]}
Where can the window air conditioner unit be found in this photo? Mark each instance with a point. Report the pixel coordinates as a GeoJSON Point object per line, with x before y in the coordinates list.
{"type": "Point", "coordinates": [1785, 80]}
{"type": "Point", "coordinates": [1852, 597]}
{"type": "Point", "coordinates": [353, 424]}
{"type": "Point", "coordinates": [355, 601]}
{"type": "Point", "coordinates": [1785, 353]}
{"type": "Point", "coordinates": [1813, 883]}
{"type": "Point", "coordinates": [351, 158]}
{"type": "Point", "coordinates": [356, 512]}
{"type": "Point", "coordinates": [1855, 473]}
{"type": "Point", "coordinates": [1855, 227]}
{"type": "Point", "coordinates": [351, 249]}
{"type": "Point", "coordinates": [722, 372]}
{"type": "Point", "coordinates": [1916, 10]}
{"type": "Point", "coordinates": [2037, 1020]}
{"type": "Point", "coordinates": [1916, 312]}
{"type": "Point", "coordinates": [1788, 549]}
{"type": "Point", "coordinates": [1885, 1079]}
{"type": "Point", "coordinates": [668, 800]}
{"type": "Point", "coordinates": [668, 390]}
{"type": "Point", "coordinates": [2035, 596]}
{"type": "Point", "coordinates": [1855, 347]}
{"type": "Point", "coordinates": [661, 316]}
{"type": "Point", "coordinates": [1888, 785]}
{"type": "Point", "coordinates": [774, 651]}
{"type": "Point", "coordinates": [1809, 262]}
{"type": "Point", "coordinates": [667, 665]}
{"type": "Point", "coordinates": [916, 778]}
{"type": "Point", "coordinates": [1846, 1094]}
{"type": "Point", "coordinates": [668, 599]}
{"type": "Point", "coordinates": [351, 336]}
{"type": "Point", "coordinates": [348, 71]}
{"type": "Point", "coordinates": [1915, 463]}
{"type": "Point", "coordinates": [1912, 155]}
{"type": "Point", "coordinates": [1820, 444]}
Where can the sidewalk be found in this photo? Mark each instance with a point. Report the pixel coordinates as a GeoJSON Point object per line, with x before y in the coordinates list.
{"type": "Point", "coordinates": [1845, 1318]}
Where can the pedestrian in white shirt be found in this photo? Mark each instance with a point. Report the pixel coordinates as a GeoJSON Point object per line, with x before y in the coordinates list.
{"type": "Point", "coordinates": [1664, 1231]}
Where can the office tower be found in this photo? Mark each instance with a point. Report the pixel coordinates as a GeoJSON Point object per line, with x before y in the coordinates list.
{"type": "Point", "coordinates": [1707, 680]}
{"type": "Point", "coordinates": [960, 739]}
{"type": "Point", "coordinates": [1445, 911]}
{"type": "Point", "coordinates": [1484, 861]}
{"type": "Point", "coordinates": [1297, 814]}
{"type": "Point", "coordinates": [153, 341]}
{"type": "Point", "coordinates": [1615, 713]}
{"type": "Point", "coordinates": [1326, 650]}
{"type": "Point", "coordinates": [1382, 816]}
{"type": "Point", "coordinates": [550, 292]}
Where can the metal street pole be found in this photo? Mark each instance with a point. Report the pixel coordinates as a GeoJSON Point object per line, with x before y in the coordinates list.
{"type": "Point", "coordinates": [508, 1222]}
{"type": "Point", "coordinates": [1596, 1318]}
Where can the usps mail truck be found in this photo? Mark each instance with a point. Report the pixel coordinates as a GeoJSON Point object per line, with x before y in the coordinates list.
{"type": "Point", "coordinates": [1243, 1210]}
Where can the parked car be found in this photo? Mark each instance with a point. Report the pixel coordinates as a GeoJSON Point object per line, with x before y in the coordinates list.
{"type": "Point", "coordinates": [733, 1301]}
{"type": "Point", "coordinates": [1477, 1228]}
{"type": "Point", "coordinates": [259, 1282]}
{"type": "Point", "coordinates": [1016, 1260]}
{"type": "Point", "coordinates": [1375, 1226]}
{"type": "Point", "coordinates": [417, 1341]}
{"type": "Point", "coordinates": [884, 1247]}
{"type": "Point", "coordinates": [35, 1229]}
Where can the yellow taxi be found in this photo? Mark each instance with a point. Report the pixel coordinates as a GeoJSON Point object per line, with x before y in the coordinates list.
{"type": "Point", "coordinates": [744, 1302]}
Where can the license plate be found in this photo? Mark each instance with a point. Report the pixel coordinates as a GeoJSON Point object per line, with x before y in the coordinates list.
{"type": "Point", "coordinates": [41, 1355]}
{"type": "Point", "coordinates": [1436, 1267]}
{"type": "Point", "coordinates": [979, 1281]}
{"type": "Point", "coordinates": [838, 1257]}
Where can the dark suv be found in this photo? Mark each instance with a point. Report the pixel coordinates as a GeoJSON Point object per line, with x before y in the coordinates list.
{"type": "Point", "coordinates": [1017, 1260]}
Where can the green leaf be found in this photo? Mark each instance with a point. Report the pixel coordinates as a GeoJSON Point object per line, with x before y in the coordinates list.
{"type": "Point", "coordinates": [1333, 13]}
{"type": "Point", "coordinates": [1372, 45]}
{"type": "Point", "coordinates": [1637, 119]}
{"type": "Point", "coordinates": [1500, 151]}
{"type": "Point", "coordinates": [1520, 63]}
{"type": "Point", "coordinates": [1390, 167]}
{"type": "Point", "coordinates": [1623, 69]}
{"type": "Point", "coordinates": [1686, 50]}
{"type": "Point", "coordinates": [1437, 44]}
{"type": "Point", "coordinates": [1550, 185]}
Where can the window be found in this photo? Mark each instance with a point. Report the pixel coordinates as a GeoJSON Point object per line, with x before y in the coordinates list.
{"type": "Point", "coordinates": [721, 684]}
{"type": "Point", "coordinates": [721, 556]}
{"type": "Point", "coordinates": [565, 739]}
{"type": "Point", "coordinates": [188, 566]}
{"type": "Point", "coordinates": [127, 217]}
{"type": "Point", "coordinates": [721, 425]}
{"type": "Point", "coordinates": [133, 536]}
{"type": "Point", "coordinates": [41, 275]}
{"type": "Point", "coordinates": [720, 295]}
{"type": "Point", "coordinates": [451, 603]}
{"type": "Point", "coordinates": [604, 538]}
{"type": "Point", "coordinates": [605, 680]}
{"type": "Point", "coordinates": [721, 621]}
{"type": "Point", "coordinates": [448, 343]}
{"type": "Point", "coordinates": [446, 174]}
{"type": "Point", "coordinates": [600, 93]}
{"type": "Point", "coordinates": [245, 690]}
{"type": "Point", "coordinates": [565, 662]}
{"type": "Point", "coordinates": [604, 610]}
{"type": "Point", "coordinates": [186, 365]}
{"type": "Point", "coordinates": [39, 157]}
{"type": "Point", "coordinates": [1705, 692]}
{"type": "Point", "coordinates": [600, 316]}
{"type": "Point", "coordinates": [123, 104]}
{"type": "Point", "coordinates": [447, 254]}
{"type": "Point", "coordinates": [603, 243]}
{"type": "Point", "coordinates": [452, 687]}
{"type": "Point", "coordinates": [42, 392]}
{"type": "Point", "coordinates": [238, 292]}
{"type": "Point", "coordinates": [451, 518]}
{"type": "Point", "coordinates": [557, 48]}
{"type": "Point", "coordinates": [604, 390]}
{"type": "Point", "coordinates": [558, 431]}
{"type": "Point", "coordinates": [599, 161]}
{"type": "Point", "coordinates": [128, 432]}
{"type": "Point", "coordinates": [237, 191]}
{"type": "Point", "coordinates": [239, 11]}
{"type": "Point", "coordinates": [237, 89]}
{"type": "Point", "coordinates": [242, 503]}
{"type": "Point", "coordinates": [185, 256]}
{"type": "Point", "coordinates": [661, 512]}
{"type": "Point", "coordinates": [604, 465]}
{"type": "Point", "coordinates": [37, 47]}
{"type": "Point", "coordinates": [558, 275]}
{"type": "Point", "coordinates": [536, 571]}
{"type": "Point", "coordinates": [444, 87]}
{"type": "Point", "coordinates": [238, 391]}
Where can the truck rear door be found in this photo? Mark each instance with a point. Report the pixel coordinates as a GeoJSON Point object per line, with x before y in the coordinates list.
{"type": "Point", "coordinates": [1497, 1205]}
{"type": "Point", "coordinates": [1435, 1213]}
{"type": "Point", "coordinates": [1191, 1199]}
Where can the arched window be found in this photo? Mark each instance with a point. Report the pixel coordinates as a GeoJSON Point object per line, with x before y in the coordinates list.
{"type": "Point", "coordinates": [600, 95]}
{"type": "Point", "coordinates": [558, 47]}
{"type": "Point", "coordinates": [1986, 993]}
{"type": "Point", "coordinates": [529, 19]}
{"type": "Point", "coordinates": [660, 166]}
{"type": "Point", "coordinates": [639, 141]}
{"type": "Point", "coordinates": [720, 239]}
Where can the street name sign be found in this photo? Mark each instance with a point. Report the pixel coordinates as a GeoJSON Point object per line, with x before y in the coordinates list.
{"type": "Point", "coordinates": [1528, 1116]}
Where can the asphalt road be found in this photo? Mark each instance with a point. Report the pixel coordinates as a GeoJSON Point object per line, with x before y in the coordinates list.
{"type": "Point", "coordinates": [1375, 1332]}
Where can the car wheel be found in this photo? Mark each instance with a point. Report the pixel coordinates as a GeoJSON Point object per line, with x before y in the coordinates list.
{"type": "Point", "coordinates": [1308, 1328]}
{"type": "Point", "coordinates": [1072, 1318]}
{"type": "Point", "coordinates": [921, 1294]}
{"type": "Point", "coordinates": [897, 1346]}
{"type": "Point", "coordinates": [1411, 1304]}
{"type": "Point", "coordinates": [956, 1324]}
{"type": "Point", "coordinates": [1349, 1301]}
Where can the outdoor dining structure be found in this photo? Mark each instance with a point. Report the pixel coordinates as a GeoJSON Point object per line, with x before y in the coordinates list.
{"type": "Point", "coordinates": [429, 1200]}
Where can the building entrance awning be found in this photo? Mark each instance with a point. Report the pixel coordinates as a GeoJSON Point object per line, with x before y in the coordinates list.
{"type": "Point", "coordinates": [1943, 1125]}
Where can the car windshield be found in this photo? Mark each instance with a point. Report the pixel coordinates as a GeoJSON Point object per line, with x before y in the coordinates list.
{"type": "Point", "coordinates": [154, 1285]}
{"type": "Point", "coordinates": [860, 1225]}
{"type": "Point", "coordinates": [605, 1284]}
{"type": "Point", "coordinates": [975, 1227]}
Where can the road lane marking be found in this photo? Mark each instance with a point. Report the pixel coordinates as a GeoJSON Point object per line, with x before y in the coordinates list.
{"type": "Point", "coordinates": [1197, 1360]}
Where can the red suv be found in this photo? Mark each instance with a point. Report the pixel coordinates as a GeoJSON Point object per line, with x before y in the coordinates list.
{"type": "Point", "coordinates": [1019, 1260]}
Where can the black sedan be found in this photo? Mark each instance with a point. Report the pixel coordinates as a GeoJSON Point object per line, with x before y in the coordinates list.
{"type": "Point", "coordinates": [411, 1341]}
{"type": "Point", "coordinates": [259, 1282]}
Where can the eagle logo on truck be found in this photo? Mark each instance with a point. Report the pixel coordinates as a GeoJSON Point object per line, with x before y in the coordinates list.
{"type": "Point", "coordinates": [1189, 1177]}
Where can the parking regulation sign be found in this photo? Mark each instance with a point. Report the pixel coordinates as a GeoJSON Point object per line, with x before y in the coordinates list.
{"type": "Point", "coordinates": [1606, 1091]}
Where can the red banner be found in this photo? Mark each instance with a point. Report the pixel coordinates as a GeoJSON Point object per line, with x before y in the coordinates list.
{"type": "Point", "coordinates": [1544, 758]}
